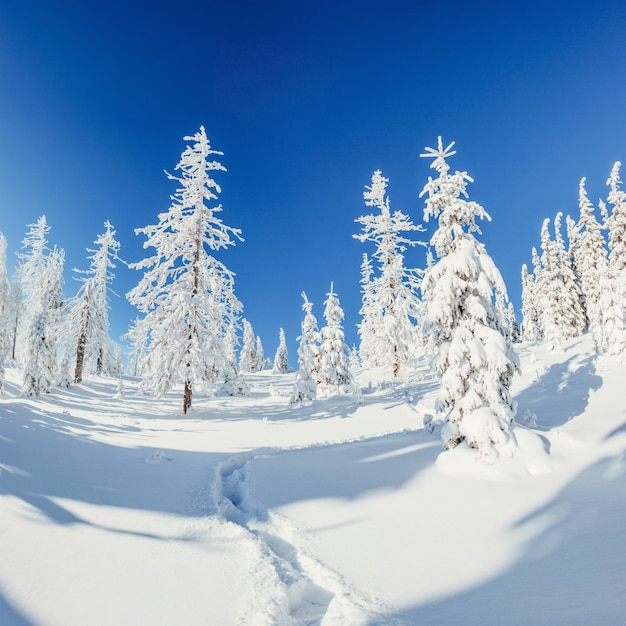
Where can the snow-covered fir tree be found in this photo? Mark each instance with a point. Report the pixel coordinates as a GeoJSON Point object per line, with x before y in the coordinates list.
{"type": "Point", "coordinates": [589, 257]}
{"type": "Point", "coordinates": [305, 387]}
{"type": "Point", "coordinates": [84, 325]}
{"type": "Point", "coordinates": [186, 294]}
{"type": "Point", "coordinates": [281, 359]}
{"type": "Point", "coordinates": [248, 356]}
{"type": "Point", "coordinates": [616, 225]}
{"type": "Point", "coordinates": [530, 314]}
{"type": "Point", "coordinates": [138, 340]}
{"type": "Point", "coordinates": [511, 321]}
{"type": "Point", "coordinates": [102, 261]}
{"type": "Point", "coordinates": [335, 374]}
{"type": "Point", "coordinates": [30, 273]}
{"type": "Point", "coordinates": [260, 355]}
{"type": "Point", "coordinates": [475, 361]}
{"type": "Point", "coordinates": [390, 308]}
{"type": "Point", "coordinates": [5, 300]}
{"type": "Point", "coordinates": [41, 339]}
{"type": "Point", "coordinates": [557, 294]}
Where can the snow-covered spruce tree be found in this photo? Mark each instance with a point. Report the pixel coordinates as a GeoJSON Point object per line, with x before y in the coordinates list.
{"type": "Point", "coordinates": [260, 355]}
{"type": "Point", "coordinates": [138, 340]}
{"type": "Point", "coordinates": [248, 356]}
{"type": "Point", "coordinates": [557, 294]}
{"type": "Point", "coordinates": [616, 224]}
{"type": "Point", "coordinates": [530, 314]}
{"type": "Point", "coordinates": [475, 361]}
{"type": "Point", "coordinates": [589, 257]}
{"type": "Point", "coordinates": [30, 272]}
{"type": "Point", "coordinates": [41, 339]}
{"type": "Point", "coordinates": [511, 320]}
{"type": "Point", "coordinates": [305, 387]}
{"type": "Point", "coordinates": [335, 374]}
{"type": "Point", "coordinates": [390, 306]}
{"type": "Point", "coordinates": [281, 358]}
{"type": "Point", "coordinates": [83, 325]}
{"type": "Point", "coordinates": [99, 347]}
{"type": "Point", "coordinates": [186, 294]}
{"type": "Point", "coordinates": [5, 300]}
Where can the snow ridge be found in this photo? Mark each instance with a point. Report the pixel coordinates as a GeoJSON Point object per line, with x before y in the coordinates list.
{"type": "Point", "coordinates": [296, 588]}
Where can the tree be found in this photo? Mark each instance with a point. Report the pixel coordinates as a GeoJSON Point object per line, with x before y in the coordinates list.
{"type": "Point", "coordinates": [530, 315]}
{"type": "Point", "coordinates": [281, 360]}
{"type": "Point", "coordinates": [474, 359]}
{"type": "Point", "coordinates": [616, 224]}
{"type": "Point", "coordinates": [83, 321]}
{"type": "Point", "coordinates": [248, 355]}
{"type": "Point", "coordinates": [558, 297]}
{"type": "Point", "coordinates": [305, 388]}
{"type": "Point", "coordinates": [260, 355]}
{"type": "Point", "coordinates": [42, 335]}
{"type": "Point", "coordinates": [335, 371]}
{"type": "Point", "coordinates": [100, 274]}
{"type": "Point", "coordinates": [390, 303]}
{"type": "Point", "coordinates": [186, 294]}
{"type": "Point", "coordinates": [5, 300]}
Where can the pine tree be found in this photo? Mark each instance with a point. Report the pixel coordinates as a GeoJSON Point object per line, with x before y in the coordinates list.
{"type": "Point", "coordinates": [558, 296]}
{"type": "Point", "coordinates": [305, 388]}
{"type": "Point", "coordinates": [589, 257]}
{"type": "Point", "coordinates": [335, 374]}
{"type": "Point", "coordinates": [5, 300]}
{"type": "Point", "coordinates": [281, 359]}
{"type": "Point", "coordinates": [260, 355]}
{"type": "Point", "coordinates": [138, 340]}
{"type": "Point", "coordinates": [474, 359]}
{"type": "Point", "coordinates": [186, 294]}
{"type": "Point", "coordinates": [100, 274]}
{"type": "Point", "coordinates": [530, 314]}
{"type": "Point", "coordinates": [42, 336]}
{"type": "Point", "coordinates": [616, 224]}
{"type": "Point", "coordinates": [82, 321]}
{"type": "Point", "coordinates": [390, 303]}
{"type": "Point", "coordinates": [248, 355]}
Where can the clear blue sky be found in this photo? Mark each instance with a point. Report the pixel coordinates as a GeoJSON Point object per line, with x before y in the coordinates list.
{"type": "Point", "coordinates": [306, 100]}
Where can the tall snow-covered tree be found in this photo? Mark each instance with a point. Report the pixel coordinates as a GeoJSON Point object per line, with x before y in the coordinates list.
{"type": "Point", "coordinates": [5, 300]}
{"type": "Point", "coordinates": [137, 340]}
{"type": "Point", "coordinates": [475, 361]}
{"type": "Point", "coordinates": [391, 304]}
{"type": "Point", "coordinates": [558, 297]}
{"type": "Point", "coordinates": [85, 327]}
{"type": "Point", "coordinates": [616, 224]}
{"type": "Point", "coordinates": [186, 294]}
{"type": "Point", "coordinates": [305, 387]}
{"type": "Point", "coordinates": [248, 355]}
{"type": "Point", "coordinates": [589, 257]}
{"type": "Point", "coordinates": [101, 275]}
{"type": "Point", "coordinates": [42, 334]}
{"type": "Point", "coordinates": [30, 273]}
{"type": "Point", "coordinates": [335, 374]}
{"type": "Point", "coordinates": [530, 314]}
{"type": "Point", "coordinates": [281, 359]}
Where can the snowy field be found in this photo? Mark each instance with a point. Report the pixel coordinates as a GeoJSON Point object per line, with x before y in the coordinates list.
{"type": "Point", "coordinates": [116, 510]}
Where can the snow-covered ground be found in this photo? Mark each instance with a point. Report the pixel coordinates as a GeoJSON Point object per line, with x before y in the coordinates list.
{"type": "Point", "coordinates": [116, 510]}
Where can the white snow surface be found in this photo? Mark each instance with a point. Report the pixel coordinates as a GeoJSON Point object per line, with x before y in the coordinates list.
{"type": "Point", "coordinates": [120, 510]}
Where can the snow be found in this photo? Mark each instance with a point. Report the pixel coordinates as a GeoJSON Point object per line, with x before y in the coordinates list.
{"type": "Point", "coordinates": [120, 510]}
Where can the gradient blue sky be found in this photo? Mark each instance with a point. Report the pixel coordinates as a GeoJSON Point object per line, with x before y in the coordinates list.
{"type": "Point", "coordinates": [305, 100]}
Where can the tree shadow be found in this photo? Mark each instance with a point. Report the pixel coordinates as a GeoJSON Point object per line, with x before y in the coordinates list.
{"type": "Point", "coordinates": [545, 397]}
{"type": "Point", "coordinates": [10, 616]}
{"type": "Point", "coordinates": [571, 571]}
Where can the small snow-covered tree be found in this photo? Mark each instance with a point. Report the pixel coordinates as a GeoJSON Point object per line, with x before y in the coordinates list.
{"type": "Point", "coordinates": [335, 374]}
{"type": "Point", "coordinates": [475, 361]}
{"type": "Point", "coordinates": [137, 339]}
{"type": "Point", "coordinates": [260, 355]}
{"type": "Point", "coordinates": [281, 359]}
{"type": "Point", "coordinates": [248, 355]}
{"type": "Point", "coordinates": [305, 388]}
{"type": "Point", "coordinates": [186, 294]}
{"type": "Point", "coordinates": [530, 314]}
{"type": "Point", "coordinates": [390, 306]}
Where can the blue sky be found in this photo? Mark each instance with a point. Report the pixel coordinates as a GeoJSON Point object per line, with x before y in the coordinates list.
{"type": "Point", "coordinates": [305, 100]}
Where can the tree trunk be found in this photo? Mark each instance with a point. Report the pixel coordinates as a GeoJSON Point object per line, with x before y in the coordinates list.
{"type": "Point", "coordinates": [80, 358]}
{"type": "Point", "coordinates": [187, 397]}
